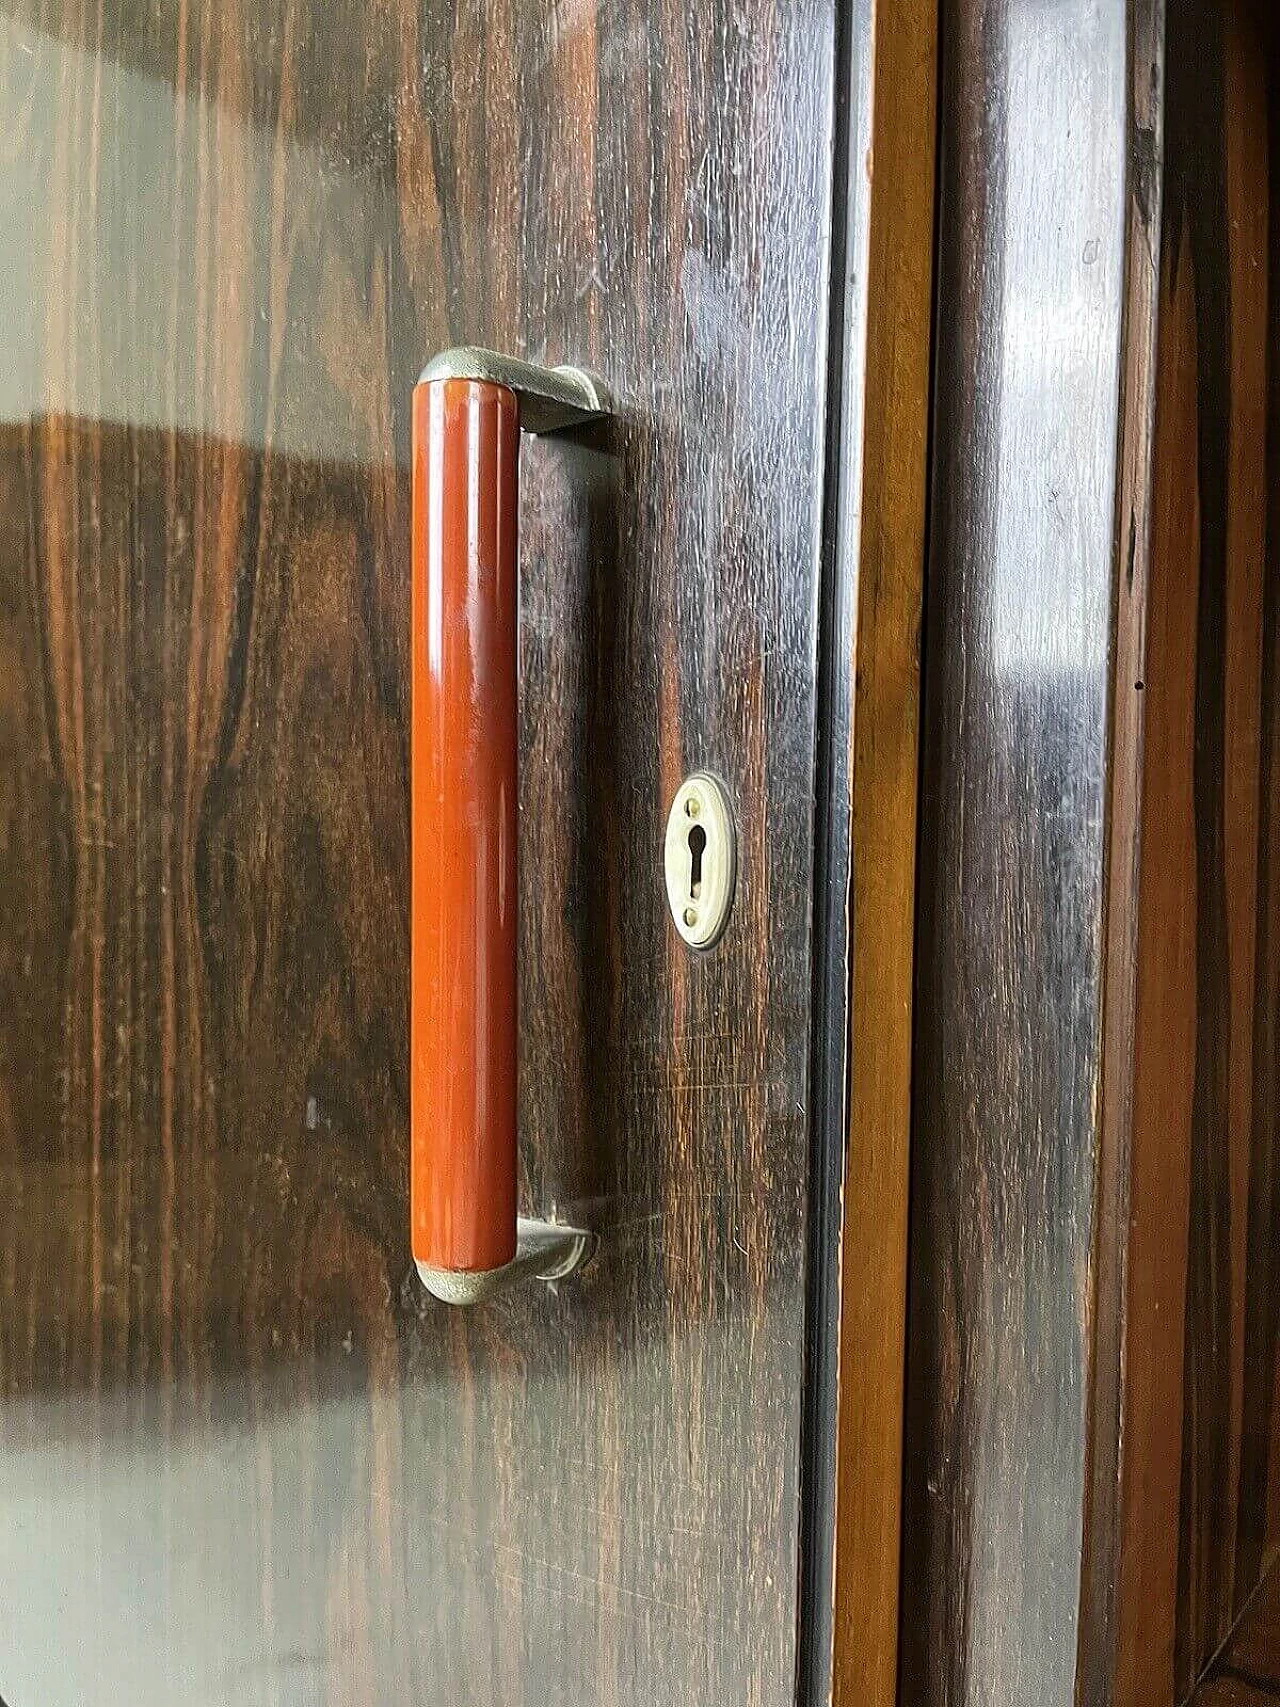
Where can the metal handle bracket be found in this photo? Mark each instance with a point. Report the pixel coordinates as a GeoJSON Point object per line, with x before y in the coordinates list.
{"type": "Point", "coordinates": [551, 399]}
{"type": "Point", "coordinates": [544, 1251]}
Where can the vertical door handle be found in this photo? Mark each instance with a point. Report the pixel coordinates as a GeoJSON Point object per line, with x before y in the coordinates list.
{"type": "Point", "coordinates": [469, 408]}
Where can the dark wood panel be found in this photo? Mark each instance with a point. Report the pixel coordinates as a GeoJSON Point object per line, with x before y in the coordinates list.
{"type": "Point", "coordinates": [241, 1455]}
{"type": "Point", "coordinates": [1226, 248]}
{"type": "Point", "coordinates": [1024, 555]}
{"type": "Point", "coordinates": [1247, 1670]}
{"type": "Point", "coordinates": [1201, 1329]}
{"type": "Point", "coordinates": [1258, 1499]}
{"type": "Point", "coordinates": [1230, 1691]}
{"type": "Point", "coordinates": [1254, 1648]}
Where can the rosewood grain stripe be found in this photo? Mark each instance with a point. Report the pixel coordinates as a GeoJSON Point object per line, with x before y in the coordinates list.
{"type": "Point", "coordinates": [1200, 1330]}
{"type": "Point", "coordinates": [1257, 1528]}
{"type": "Point", "coordinates": [1198, 237]}
{"type": "Point", "coordinates": [1104, 1585]}
{"type": "Point", "coordinates": [1164, 1040]}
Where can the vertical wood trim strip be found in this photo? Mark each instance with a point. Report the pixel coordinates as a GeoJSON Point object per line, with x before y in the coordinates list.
{"type": "Point", "coordinates": [1199, 95]}
{"type": "Point", "coordinates": [885, 785]}
{"type": "Point", "coordinates": [1102, 1540]}
{"type": "Point", "coordinates": [1256, 1495]}
{"type": "Point", "coordinates": [1163, 1053]}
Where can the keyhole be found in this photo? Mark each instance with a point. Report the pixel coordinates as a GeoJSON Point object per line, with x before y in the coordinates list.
{"type": "Point", "coordinates": [697, 842]}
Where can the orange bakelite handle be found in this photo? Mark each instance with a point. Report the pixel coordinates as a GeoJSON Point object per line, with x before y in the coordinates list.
{"type": "Point", "coordinates": [463, 1018]}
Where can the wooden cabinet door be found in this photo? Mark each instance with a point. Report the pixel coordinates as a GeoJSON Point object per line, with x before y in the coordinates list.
{"type": "Point", "coordinates": [243, 1457]}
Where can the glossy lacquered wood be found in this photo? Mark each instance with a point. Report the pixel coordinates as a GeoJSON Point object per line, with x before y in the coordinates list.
{"type": "Point", "coordinates": [1121, 968]}
{"type": "Point", "coordinates": [463, 1026]}
{"type": "Point", "coordinates": [1093, 1342]}
{"type": "Point", "coordinates": [1024, 559]}
{"type": "Point", "coordinates": [243, 1456]}
{"type": "Point", "coordinates": [1201, 1461]}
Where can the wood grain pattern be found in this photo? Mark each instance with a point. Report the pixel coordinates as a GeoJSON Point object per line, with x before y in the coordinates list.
{"type": "Point", "coordinates": [1231, 1691]}
{"type": "Point", "coordinates": [1024, 554]}
{"type": "Point", "coordinates": [1258, 1507]}
{"type": "Point", "coordinates": [885, 768]}
{"type": "Point", "coordinates": [1246, 1672]}
{"type": "Point", "coordinates": [242, 1458]}
{"type": "Point", "coordinates": [1165, 962]}
{"type": "Point", "coordinates": [1228, 259]}
{"type": "Point", "coordinates": [1201, 1345]}
{"type": "Point", "coordinates": [1099, 1630]}
{"type": "Point", "coordinates": [1254, 1648]}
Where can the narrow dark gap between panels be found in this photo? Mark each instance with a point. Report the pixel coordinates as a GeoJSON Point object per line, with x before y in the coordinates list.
{"type": "Point", "coordinates": [829, 1066]}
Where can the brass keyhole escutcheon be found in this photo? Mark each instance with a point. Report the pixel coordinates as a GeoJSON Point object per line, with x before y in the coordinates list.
{"type": "Point", "coordinates": [700, 860]}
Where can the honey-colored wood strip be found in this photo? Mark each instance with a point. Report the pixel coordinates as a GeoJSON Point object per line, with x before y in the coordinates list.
{"type": "Point", "coordinates": [885, 783]}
